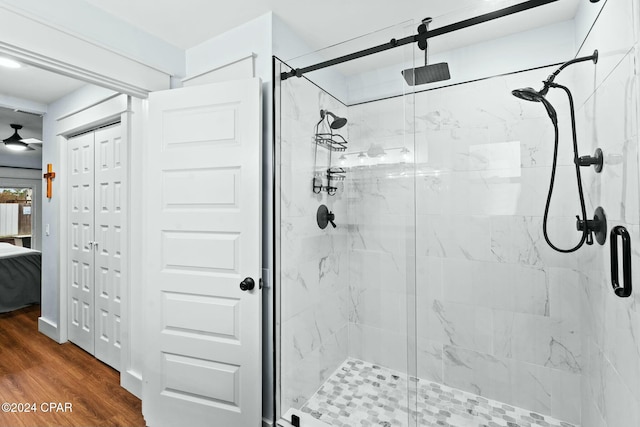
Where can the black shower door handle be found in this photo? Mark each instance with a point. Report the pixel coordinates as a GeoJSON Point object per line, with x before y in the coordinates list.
{"type": "Point", "coordinates": [625, 290]}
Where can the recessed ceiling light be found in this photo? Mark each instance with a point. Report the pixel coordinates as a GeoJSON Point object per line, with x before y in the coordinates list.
{"type": "Point", "coordinates": [9, 63]}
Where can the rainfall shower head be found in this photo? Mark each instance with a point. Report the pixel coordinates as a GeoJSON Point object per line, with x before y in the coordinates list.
{"type": "Point", "coordinates": [427, 74]}
{"type": "Point", "coordinates": [337, 122]}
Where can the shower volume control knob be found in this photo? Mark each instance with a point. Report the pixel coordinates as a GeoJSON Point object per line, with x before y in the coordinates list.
{"type": "Point", "coordinates": [247, 284]}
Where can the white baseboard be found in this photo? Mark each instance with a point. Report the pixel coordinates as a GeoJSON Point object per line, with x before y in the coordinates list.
{"type": "Point", "coordinates": [48, 328]}
{"type": "Point", "coordinates": [132, 382]}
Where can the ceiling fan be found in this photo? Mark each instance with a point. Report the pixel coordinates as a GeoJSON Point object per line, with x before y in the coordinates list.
{"type": "Point", "coordinates": [16, 143]}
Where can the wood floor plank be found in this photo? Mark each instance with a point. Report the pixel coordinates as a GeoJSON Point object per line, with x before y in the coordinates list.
{"type": "Point", "coordinates": [35, 369]}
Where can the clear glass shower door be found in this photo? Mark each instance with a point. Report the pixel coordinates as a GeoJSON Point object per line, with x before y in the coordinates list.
{"type": "Point", "coordinates": [346, 305]}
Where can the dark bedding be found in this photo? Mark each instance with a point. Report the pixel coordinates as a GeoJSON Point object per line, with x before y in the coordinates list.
{"type": "Point", "coordinates": [19, 281]}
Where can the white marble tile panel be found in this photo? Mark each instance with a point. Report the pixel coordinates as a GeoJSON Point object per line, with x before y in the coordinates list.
{"type": "Point", "coordinates": [378, 346]}
{"type": "Point", "coordinates": [466, 237]}
{"type": "Point", "coordinates": [391, 234]}
{"type": "Point", "coordinates": [380, 309]}
{"type": "Point", "coordinates": [608, 116]}
{"type": "Point", "coordinates": [459, 281]}
{"type": "Point", "coordinates": [301, 380]}
{"type": "Point", "coordinates": [378, 270]}
{"type": "Point", "coordinates": [513, 287]}
{"type": "Point", "coordinates": [621, 407]}
{"type": "Point", "coordinates": [540, 340]}
{"type": "Point", "coordinates": [429, 358]}
{"type": "Point", "coordinates": [565, 396]}
{"type": "Point", "coordinates": [300, 337]}
{"type": "Point", "coordinates": [519, 239]}
{"type": "Point", "coordinates": [460, 325]}
{"type": "Point", "coordinates": [298, 287]}
{"type": "Point", "coordinates": [429, 279]}
{"type": "Point", "coordinates": [531, 387]}
{"type": "Point", "coordinates": [476, 372]}
{"type": "Point", "coordinates": [622, 346]}
{"type": "Point", "coordinates": [564, 294]}
{"type": "Point", "coordinates": [433, 190]}
{"type": "Point", "coordinates": [613, 36]}
{"type": "Point", "coordinates": [376, 194]}
{"type": "Point", "coordinates": [302, 240]}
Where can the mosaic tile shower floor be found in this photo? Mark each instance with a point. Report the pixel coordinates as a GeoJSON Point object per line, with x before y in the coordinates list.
{"type": "Point", "coordinates": [361, 394]}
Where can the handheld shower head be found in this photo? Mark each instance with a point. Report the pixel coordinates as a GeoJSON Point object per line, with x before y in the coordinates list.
{"type": "Point", "coordinates": [530, 94]}
{"type": "Point", "coordinates": [337, 122]}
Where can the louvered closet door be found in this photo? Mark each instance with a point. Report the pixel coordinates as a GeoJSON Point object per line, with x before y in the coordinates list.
{"type": "Point", "coordinates": [81, 216]}
{"type": "Point", "coordinates": [97, 190]}
{"type": "Point", "coordinates": [109, 210]}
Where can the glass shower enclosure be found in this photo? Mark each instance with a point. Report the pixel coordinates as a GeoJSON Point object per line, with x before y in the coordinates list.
{"type": "Point", "coordinates": [414, 284]}
{"type": "Point", "coordinates": [346, 285]}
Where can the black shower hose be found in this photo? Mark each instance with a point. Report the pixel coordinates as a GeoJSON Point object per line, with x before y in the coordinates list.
{"type": "Point", "coordinates": [585, 231]}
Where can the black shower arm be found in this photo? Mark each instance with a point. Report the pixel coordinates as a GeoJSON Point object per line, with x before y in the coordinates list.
{"type": "Point", "coordinates": [551, 78]}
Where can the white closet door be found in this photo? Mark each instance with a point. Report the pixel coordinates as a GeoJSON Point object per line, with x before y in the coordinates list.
{"type": "Point", "coordinates": [81, 237]}
{"type": "Point", "coordinates": [110, 196]}
{"type": "Point", "coordinates": [203, 237]}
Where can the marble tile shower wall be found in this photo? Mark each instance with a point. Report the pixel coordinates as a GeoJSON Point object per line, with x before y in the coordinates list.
{"type": "Point", "coordinates": [609, 119]}
{"type": "Point", "coordinates": [495, 310]}
{"type": "Point", "coordinates": [381, 208]}
{"type": "Point", "coordinates": [314, 262]}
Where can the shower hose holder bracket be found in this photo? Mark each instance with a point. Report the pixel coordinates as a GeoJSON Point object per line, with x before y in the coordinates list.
{"type": "Point", "coordinates": [597, 160]}
{"type": "Point", "coordinates": [597, 225]}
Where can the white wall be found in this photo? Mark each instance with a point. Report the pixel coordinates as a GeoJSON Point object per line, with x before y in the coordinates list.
{"type": "Point", "coordinates": [82, 98]}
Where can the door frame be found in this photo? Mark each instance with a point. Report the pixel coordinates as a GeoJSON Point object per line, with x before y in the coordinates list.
{"type": "Point", "coordinates": [117, 107]}
{"type": "Point", "coordinates": [54, 48]}
{"type": "Point", "coordinates": [76, 56]}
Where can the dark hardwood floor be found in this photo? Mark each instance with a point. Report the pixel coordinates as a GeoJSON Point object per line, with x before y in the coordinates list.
{"type": "Point", "coordinates": [36, 370]}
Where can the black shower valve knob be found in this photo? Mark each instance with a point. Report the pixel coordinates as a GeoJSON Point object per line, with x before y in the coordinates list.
{"type": "Point", "coordinates": [580, 226]}
{"type": "Point", "coordinates": [597, 160]}
{"type": "Point", "coordinates": [330, 217]}
{"type": "Point", "coordinates": [324, 217]}
{"type": "Point", "coordinates": [597, 226]}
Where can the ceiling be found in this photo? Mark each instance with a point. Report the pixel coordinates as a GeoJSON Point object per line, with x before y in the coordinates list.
{"type": "Point", "coordinates": [35, 84]}
{"type": "Point", "coordinates": [32, 128]}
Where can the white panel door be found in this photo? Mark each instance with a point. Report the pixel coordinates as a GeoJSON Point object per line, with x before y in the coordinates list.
{"type": "Point", "coordinates": [110, 160]}
{"type": "Point", "coordinates": [203, 237]}
{"type": "Point", "coordinates": [81, 237]}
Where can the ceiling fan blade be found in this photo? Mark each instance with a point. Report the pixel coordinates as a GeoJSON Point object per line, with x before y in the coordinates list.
{"type": "Point", "coordinates": [31, 141]}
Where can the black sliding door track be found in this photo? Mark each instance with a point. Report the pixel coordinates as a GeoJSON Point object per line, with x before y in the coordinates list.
{"type": "Point", "coordinates": [521, 7]}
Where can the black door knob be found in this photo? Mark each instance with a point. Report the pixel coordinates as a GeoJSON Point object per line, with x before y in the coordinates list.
{"type": "Point", "coordinates": [247, 284]}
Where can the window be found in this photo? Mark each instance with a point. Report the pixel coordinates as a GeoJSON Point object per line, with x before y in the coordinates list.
{"type": "Point", "coordinates": [16, 215]}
